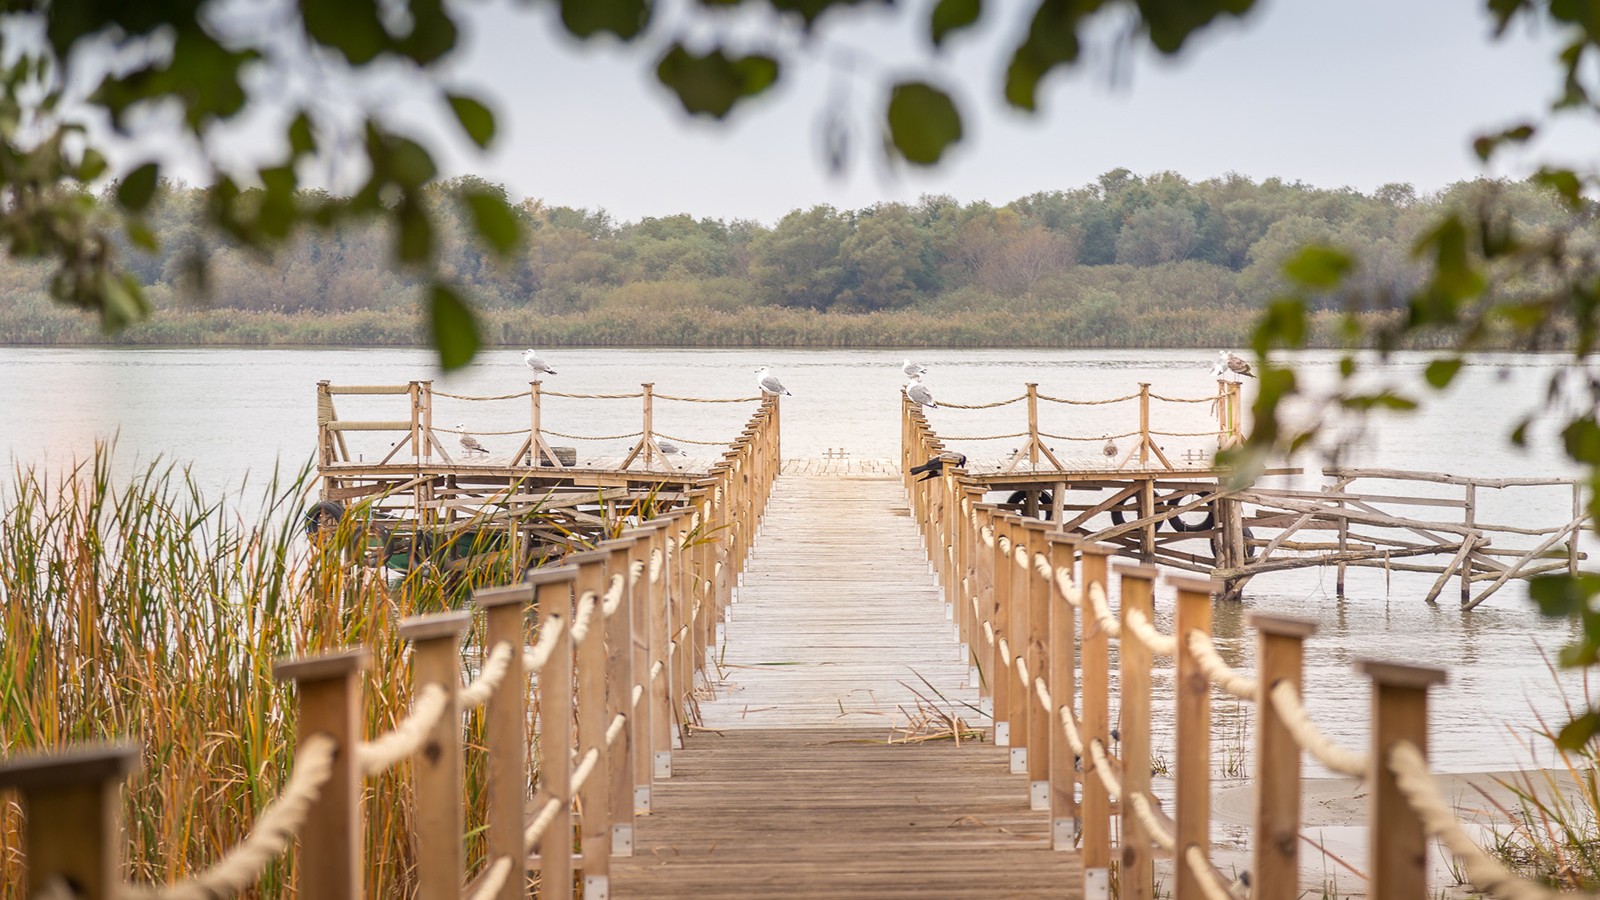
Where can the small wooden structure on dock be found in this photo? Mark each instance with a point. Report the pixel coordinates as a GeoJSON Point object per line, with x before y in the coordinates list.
{"type": "Point", "coordinates": [421, 495]}
{"type": "Point", "coordinates": [1195, 515]}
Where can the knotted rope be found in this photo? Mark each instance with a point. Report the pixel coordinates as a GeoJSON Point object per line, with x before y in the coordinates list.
{"type": "Point", "coordinates": [405, 738]}
{"type": "Point", "coordinates": [595, 396]}
{"type": "Point", "coordinates": [1102, 612]}
{"type": "Point", "coordinates": [584, 616]}
{"type": "Point", "coordinates": [493, 879]}
{"type": "Point", "coordinates": [1217, 670]}
{"type": "Point", "coordinates": [1146, 634]}
{"type": "Point", "coordinates": [494, 671]}
{"type": "Point", "coordinates": [591, 437]}
{"type": "Point", "coordinates": [1139, 804]}
{"type": "Point", "coordinates": [1017, 399]}
{"type": "Point", "coordinates": [707, 399]}
{"type": "Point", "coordinates": [277, 825]}
{"type": "Point", "coordinates": [490, 397]}
{"type": "Point", "coordinates": [534, 658]}
{"type": "Point", "coordinates": [1121, 399]}
{"type": "Point", "coordinates": [1295, 718]}
{"type": "Point", "coordinates": [1155, 396]}
{"type": "Point", "coordinates": [1211, 883]}
{"type": "Point", "coordinates": [613, 598]}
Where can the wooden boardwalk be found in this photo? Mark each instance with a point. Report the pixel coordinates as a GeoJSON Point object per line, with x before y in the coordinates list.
{"type": "Point", "coordinates": [837, 649]}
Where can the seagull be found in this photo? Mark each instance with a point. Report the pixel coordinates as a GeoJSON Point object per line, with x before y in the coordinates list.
{"type": "Point", "coordinates": [470, 443]}
{"type": "Point", "coordinates": [912, 370]}
{"type": "Point", "coordinates": [539, 366]}
{"type": "Point", "coordinates": [919, 393]}
{"type": "Point", "coordinates": [1110, 449]}
{"type": "Point", "coordinates": [769, 383]}
{"type": "Point", "coordinates": [1229, 362]}
{"type": "Point", "coordinates": [670, 449]}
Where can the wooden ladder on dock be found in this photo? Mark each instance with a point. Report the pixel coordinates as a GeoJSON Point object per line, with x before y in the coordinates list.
{"type": "Point", "coordinates": [812, 772]}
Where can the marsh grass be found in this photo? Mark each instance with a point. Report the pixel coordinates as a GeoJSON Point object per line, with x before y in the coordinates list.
{"type": "Point", "coordinates": [1549, 831]}
{"type": "Point", "coordinates": [138, 607]}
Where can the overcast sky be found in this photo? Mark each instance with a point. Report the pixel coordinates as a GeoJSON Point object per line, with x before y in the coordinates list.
{"type": "Point", "coordinates": [1355, 92]}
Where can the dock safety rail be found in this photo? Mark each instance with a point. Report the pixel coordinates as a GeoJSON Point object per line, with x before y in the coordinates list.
{"type": "Point", "coordinates": [1031, 610]}
{"type": "Point", "coordinates": [605, 646]}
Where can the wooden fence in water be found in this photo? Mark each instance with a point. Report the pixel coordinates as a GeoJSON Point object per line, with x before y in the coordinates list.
{"type": "Point", "coordinates": [622, 628]}
{"type": "Point", "coordinates": [1032, 613]}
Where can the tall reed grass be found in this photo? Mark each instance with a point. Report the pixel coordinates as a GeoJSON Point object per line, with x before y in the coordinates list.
{"type": "Point", "coordinates": [138, 607]}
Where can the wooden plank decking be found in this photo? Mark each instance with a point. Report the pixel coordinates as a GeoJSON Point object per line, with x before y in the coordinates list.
{"type": "Point", "coordinates": [837, 642]}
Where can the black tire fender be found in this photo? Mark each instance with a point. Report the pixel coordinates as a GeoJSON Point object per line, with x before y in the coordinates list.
{"type": "Point", "coordinates": [323, 515]}
{"type": "Point", "coordinates": [1206, 524]}
{"type": "Point", "coordinates": [1046, 502]}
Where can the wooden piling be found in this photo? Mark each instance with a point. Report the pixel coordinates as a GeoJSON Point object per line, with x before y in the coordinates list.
{"type": "Point", "coordinates": [437, 770]}
{"type": "Point", "coordinates": [1397, 845]}
{"type": "Point", "coordinates": [1276, 865]}
{"type": "Point", "coordinates": [329, 867]}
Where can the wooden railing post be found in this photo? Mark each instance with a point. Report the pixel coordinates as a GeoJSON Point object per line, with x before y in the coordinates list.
{"type": "Point", "coordinates": [620, 679]}
{"type": "Point", "coordinates": [1096, 653]}
{"type": "Point", "coordinates": [1001, 678]}
{"type": "Point", "coordinates": [535, 426]}
{"type": "Point", "coordinates": [1193, 740]}
{"type": "Point", "coordinates": [1144, 424]}
{"type": "Point", "coordinates": [594, 796]}
{"type": "Point", "coordinates": [553, 591]}
{"type": "Point", "coordinates": [427, 421]}
{"type": "Point", "coordinates": [648, 438]}
{"type": "Point", "coordinates": [1063, 689]}
{"type": "Point", "coordinates": [72, 802]}
{"type": "Point", "coordinates": [1397, 844]}
{"type": "Point", "coordinates": [1137, 872]}
{"type": "Point", "coordinates": [505, 716]}
{"type": "Point", "coordinates": [437, 770]}
{"type": "Point", "coordinates": [326, 448]}
{"type": "Point", "coordinates": [1038, 665]}
{"type": "Point", "coordinates": [1281, 642]}
{"type": "Point", "coordinates": [1015, 616]}
{"type": "Point", "coordinates": [1033, 424]}
{"type": "Point", "coordinates": [641, 726]}
{"type": "Point", "coordinates": [329, 867]}
{"type": "Point", "coordinates": [415, 393]}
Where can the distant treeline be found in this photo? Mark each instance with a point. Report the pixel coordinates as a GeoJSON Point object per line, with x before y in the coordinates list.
{"type": "Point", "coordinates": [1126, 261]}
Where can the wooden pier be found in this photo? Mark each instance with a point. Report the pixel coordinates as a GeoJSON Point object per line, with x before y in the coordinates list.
{"type": "Point", "coordinates": [829, 684]}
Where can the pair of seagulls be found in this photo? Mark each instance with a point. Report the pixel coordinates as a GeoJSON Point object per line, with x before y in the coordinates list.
{"type": "Point", "coordinates": [915, 390]}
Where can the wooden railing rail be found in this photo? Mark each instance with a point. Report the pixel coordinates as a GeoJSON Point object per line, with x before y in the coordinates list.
{"type": "Point", "coordinates": [622, 633]}
{"type": "Point", "coordinates": [1226, 404]}
{"type": "Point", "coordinates": [1032, 607]}
{"type": "Point", "coordinates": [421, 435]}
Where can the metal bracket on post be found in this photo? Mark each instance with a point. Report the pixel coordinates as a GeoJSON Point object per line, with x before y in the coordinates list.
{"type": "Point", "coordinates": [1019, 760]}
{"type": "Point", "coordinates": [596, 887]}
{"type": "Point", "coordinates": [663, 761]}
{"type": "Point", "coordinates": [641, 798]}
{"type": "Point", "coordinates": [1096, 884]}
{"type": "Point", "coordinates": [1039, 795]}
{"type": "Point", "coordinates": [1002, 732]}
{"type": "Point", "coordinates": [622, 840]}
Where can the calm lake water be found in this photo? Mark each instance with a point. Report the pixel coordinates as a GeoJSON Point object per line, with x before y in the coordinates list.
{"type": "Point", "coordinates": [233, 413]}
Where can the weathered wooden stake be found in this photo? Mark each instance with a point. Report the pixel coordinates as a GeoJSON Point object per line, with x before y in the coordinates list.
{"type": "Point", "coordinates": [1277, 815]}
{"type": "Point", "coordinates": [505, 714]}
{"type": "Point", "coordinates": [1397, 844]}
{"type": "Point", "coordinates": [72, 802]}
{"type": "Point", "coordinates": [1137, 872]}
{"type": "Point", "coordinates": [329, 867]}
{"type": "Point", "coordinates": [437, 770]}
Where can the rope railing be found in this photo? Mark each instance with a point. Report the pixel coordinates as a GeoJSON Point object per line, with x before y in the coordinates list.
{"type": "Point", "coordinates": [632, 395]}
{"type": "Point", "coordinates": [1146, 634]}
{"type": "Point", "coordinates": [535, 658]}
{"type": "Point", "coordinates": [613, 596]}
{"type": "Point", "coordinates": [635, 571]}
{"type": "Point", "coordinates": [984, 437]}
{"type": "Point", "coordinates": [1069, 727]}
{"type": "Point", "coordinates": [1165, 399]}
{"type": "Point", "coordinates": [997, 403]}
{"type": "Point", "coordinates": [585, 768]}
{"type": "Point", "coordinates": [541, 822]}
{"type": "Point", "coordinates": [1217, 670]}
{"type": "Point", "coordinates": [589, 437]}
{"type": "Point", "coordinates": [683, 440]}
{"type": "Point", "coordinates": [494, 671]}
{"type": "Point", "coordinates": [655, 565]}
{"type": "Point", "coordinates": [1206, 874]}
{"type": "Point", "coordinates": [490, 397]}
{"type": "Point", "coordinates": [1286, 701]}
{"type": "Point", "coordinates": [1069, 402]}
{"type": "Point", "coordinates": [1102, 767]}
{"type": "Point", "coordinates": [755, 399]}
{"type": "Point", "coordinates": [1102, 612]}
{"type": "Point", "coordinates": [1160, 832]}
{"type": "Point", "coordinates": [1212, 433]}
{"type": "Point", "coordinates": [493, 879]}
{"type": "Point", "coordinates": [1483, 872]}
{"type": "Point", "coordinates": [1089, 438]}
{"type": "Point", "coordinates": [274, 829]}
{"type": "Point", "coordinates": [582, 619]}
{"type": "Point", "coordinates": [406, 738]}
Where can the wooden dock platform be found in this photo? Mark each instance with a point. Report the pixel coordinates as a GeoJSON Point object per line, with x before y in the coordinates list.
{"type": "Point", "coordinates": [825, 764]}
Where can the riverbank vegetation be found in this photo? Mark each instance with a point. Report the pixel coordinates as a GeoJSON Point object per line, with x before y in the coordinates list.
{"type": "Point", "coordinates": [1128, 261]}
{"type": "Point", "coordinates": [140, 608]}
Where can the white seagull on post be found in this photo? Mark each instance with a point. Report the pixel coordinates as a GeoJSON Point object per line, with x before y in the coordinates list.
{"type": "Point", "coordinates": [919, 393]}
{"type": "Point", "coordinates": [912, 369]}
{"type": "Point", "coordinates": [1229, 364]}
{"type": "Point", "coordinates": [469, 443]}
{"type": "Point", "coordinates": [769, 383]}
{"type": "Point", "coordinates": [539, 366]}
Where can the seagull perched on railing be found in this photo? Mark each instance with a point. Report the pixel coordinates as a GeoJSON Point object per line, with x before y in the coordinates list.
{"type": "Point", "coordinates": [1110, 450]}
{"type": "Point", "coordinates": [538, 365]}
{"type": "Point", "coordinates": [670, 449]}
{"type": "Point", "coordinates": [919, 393]}
{"type": "Point", "coordinates": [469, 443]}
{"type": "Point", "coordinates": [769, 383]}
{"type": "Point", "coordinates": [1229, 363]}
{"type": "Point", "coordinates": [935, 465]}
{"type": "Point", "coordinates": [912, 369]}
